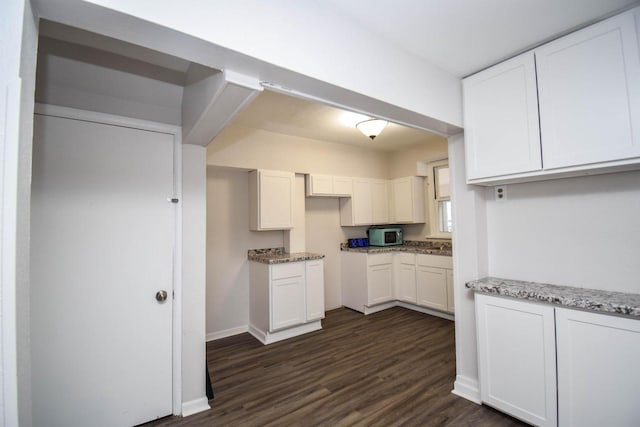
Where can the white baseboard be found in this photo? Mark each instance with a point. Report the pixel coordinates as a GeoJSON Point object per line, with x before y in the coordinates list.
{"type": "Point", "coordinates": [194, 406]}
{"type": "Point", "coordinates": [271, 337]}
{"type": "Point", "coordinates": [212, 336]}
{"type": "Point", "coordinates": [467, 388]}
{"type": "Point", "coordinates": [425, 310]}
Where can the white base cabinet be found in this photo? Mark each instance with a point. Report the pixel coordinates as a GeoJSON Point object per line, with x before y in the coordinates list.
{"type": "Point", "coordinates": [285, 299]}
{"type": "Point", "coordinates": [528, 352]}
{"type": "Point", "coordinates": [598, 372]}
{"type": "Point", "coordinates": [516, 358]}
{"type": "Point", "coordinates": [374, 282]}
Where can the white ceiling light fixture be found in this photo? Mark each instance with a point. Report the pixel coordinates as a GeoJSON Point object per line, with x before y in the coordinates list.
{"type": "Point", "coordinates": [372, 127]}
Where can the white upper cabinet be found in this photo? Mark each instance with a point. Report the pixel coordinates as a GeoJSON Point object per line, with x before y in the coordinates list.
{"type": "Point", "coordinates": [407, 200]}
{"type": "Point", "coordinates": [328, 186]}
{"type": "Point", "coordinates": [589, 94]}
{"type": "Point", "coordinates": [501, 119]}
{"type": "Point", "coordinates": [271, 200]}
{"type": "Point", "coordinates": [379, 201]}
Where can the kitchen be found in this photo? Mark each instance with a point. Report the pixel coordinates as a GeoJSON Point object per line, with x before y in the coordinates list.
{"type": "Point", "coordinates": [246, 145]}
{"type": "Point", "coordinates": [567, 217]}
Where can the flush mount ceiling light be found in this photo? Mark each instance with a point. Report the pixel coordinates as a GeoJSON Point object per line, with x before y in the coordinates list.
{"type": "Point", "coordinates": [372, 127]}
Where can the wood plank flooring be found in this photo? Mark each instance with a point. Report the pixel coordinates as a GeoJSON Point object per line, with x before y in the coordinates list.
{"type": "Point", "coordinates": [395, 367]}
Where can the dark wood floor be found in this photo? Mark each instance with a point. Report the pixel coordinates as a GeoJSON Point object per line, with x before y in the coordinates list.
{"type": "Point", "coordinates": [395, 367]}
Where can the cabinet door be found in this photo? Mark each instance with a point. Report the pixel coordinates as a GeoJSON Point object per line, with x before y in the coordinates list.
{"type": "Point", "coordinates": [589, 94]}
{"type": "Point", "coordinates": [272, 204]}
{"type": "Point", "coordinates": [342, 186]}
{"type": "Point", "coordinates": [379, 283]}
{"type": "Point", "coordinates": [314, 281]}
{"type": "Point", "coordinates": [598, 373]}
{"type": "Point", "coordinates": [407, 283]}
{"type": "Point", "coordinates": [402, 200]}
{"type": "Point", "coordinates": [287, 302]}
{"type": "Point", "coordinates": [320, 185]}
{"type": "Point", "coordinates": [361, 202]}
{"type": "Point", "coordinates": [450, 303]}
{"type": "Point", "coordinates": [431, 284]}
{"type": "Point", "coordinates": [501, 119]}
{"type": "Point", "coordinates": [380, 201]}
{"type": "Point", "coordinates": [517, 358]}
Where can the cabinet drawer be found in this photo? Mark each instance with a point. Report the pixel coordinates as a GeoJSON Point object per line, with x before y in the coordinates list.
{"type": "Point", "coordinates": [290, 269]}
{"type": "Point", "coordinates": [406, 258]}
{"type": "Point", "coordinates": [439, 261]}
{"type": "Point", "coordinates": [377, 259]}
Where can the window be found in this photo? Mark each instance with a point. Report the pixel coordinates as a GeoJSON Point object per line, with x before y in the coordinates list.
{"type": "Point", "coordinates": [440, 209]}
{"type": "Point", "coordinates": [443, 198]}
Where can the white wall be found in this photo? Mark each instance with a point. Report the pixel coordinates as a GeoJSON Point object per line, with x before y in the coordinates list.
{"type": "Point", "coordinates": [18, 41]}
{"type": "Point", "coordinates": [89, 79]}
{"type": "Point", "coordinates": [194, 226]}
{"type": "Point", "coordinates": [324, 235]}
{"type": "Point", "coordinates": [228, 239]}
{"type": "Point", "coordinates": [243, 147]}
{"type": "Point", "coordinates": [279, 41]}
{"type": "Point", "coordinates": [582, 232]}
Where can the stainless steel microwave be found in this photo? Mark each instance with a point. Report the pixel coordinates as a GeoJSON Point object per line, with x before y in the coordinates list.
{"type": "Point", "coordinates": [385, 236]}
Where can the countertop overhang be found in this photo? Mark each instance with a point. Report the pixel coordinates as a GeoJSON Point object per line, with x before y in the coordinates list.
{"type": "Point", "coordinates": [567, 296]}
{"type": "Point", "coordinates": [279, 256]}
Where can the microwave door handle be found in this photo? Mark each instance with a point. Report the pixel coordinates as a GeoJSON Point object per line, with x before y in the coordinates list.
{"type": "Point", "coordinates": [398, 233]}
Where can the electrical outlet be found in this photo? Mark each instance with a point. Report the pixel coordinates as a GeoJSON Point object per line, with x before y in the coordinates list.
{"type": "Point", "coordinates": [500, 193]}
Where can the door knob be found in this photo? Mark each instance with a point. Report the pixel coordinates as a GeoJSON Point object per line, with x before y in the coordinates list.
{"type": "Point", "coordinates": [161, 296]}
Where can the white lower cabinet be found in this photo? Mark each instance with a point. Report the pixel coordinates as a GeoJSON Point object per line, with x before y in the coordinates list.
{"type": "Point", "coordinates": [598, 373]}
{"type": "Point", "coordinates": [314, 286]}
{"type": "Point", "coordinates": [431, 287]}
{"type": "Point", "coordinates": [406, 277]}
{"type": "Point", "coordinates": [285, 299]}
{"type": "Point", "coordinates": [373, 282]}
{"type": "Point", "coordinates": [529, 351]}
{"type": "Point", "coordinates": [516, 358]}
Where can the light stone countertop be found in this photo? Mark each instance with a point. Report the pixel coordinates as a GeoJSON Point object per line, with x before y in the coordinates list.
{"type": "Point", "coordinates": [279, 256]}
{"type": "Point", "coordinates": [567, 296]}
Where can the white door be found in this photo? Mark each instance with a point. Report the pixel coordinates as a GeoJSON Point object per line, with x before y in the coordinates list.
{"type": "Point", "coordinates": [102, 235]}
{"type": "Point", "coordinates": [380, 283]}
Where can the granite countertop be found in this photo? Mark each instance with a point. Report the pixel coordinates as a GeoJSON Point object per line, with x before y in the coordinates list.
{"type": "Point", "coordinates": [589, 299]}
{"type": "Point", "coordinates": [279, 256]}
{"type": "Point", "coordinates": [412, 246]}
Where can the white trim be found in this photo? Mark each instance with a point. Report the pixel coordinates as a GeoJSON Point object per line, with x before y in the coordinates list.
{"type": "Point", "coordinates": [107, 119]}
{"type": "Point", "coordinates": [177, 276]}
{"type": "Point", "coordinates": [212, 336]}
{"type": "Point", "coordinates": [467, 388]}
{"type": "Point", "coordinates": [176, 132]}
{"type": "Point", "coordinates": [425, 310]}
{"type": "Point", "coordinates": [195, 406]}
{"type": "Point", "coordinates": [9, 154]}
{"type": "Point", "coordinates": [379, 307]}
{"type": "Point", "coordinates": [271, 337]}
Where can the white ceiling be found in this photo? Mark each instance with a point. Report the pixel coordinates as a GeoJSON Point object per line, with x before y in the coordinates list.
{"type": "Point", "coordinates": [465, 36]}
{"type": "Point", "coordinates": [284, 114]}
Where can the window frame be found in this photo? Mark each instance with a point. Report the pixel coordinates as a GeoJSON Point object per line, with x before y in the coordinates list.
{"type": "Point", "coordinates": [434, 205]}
